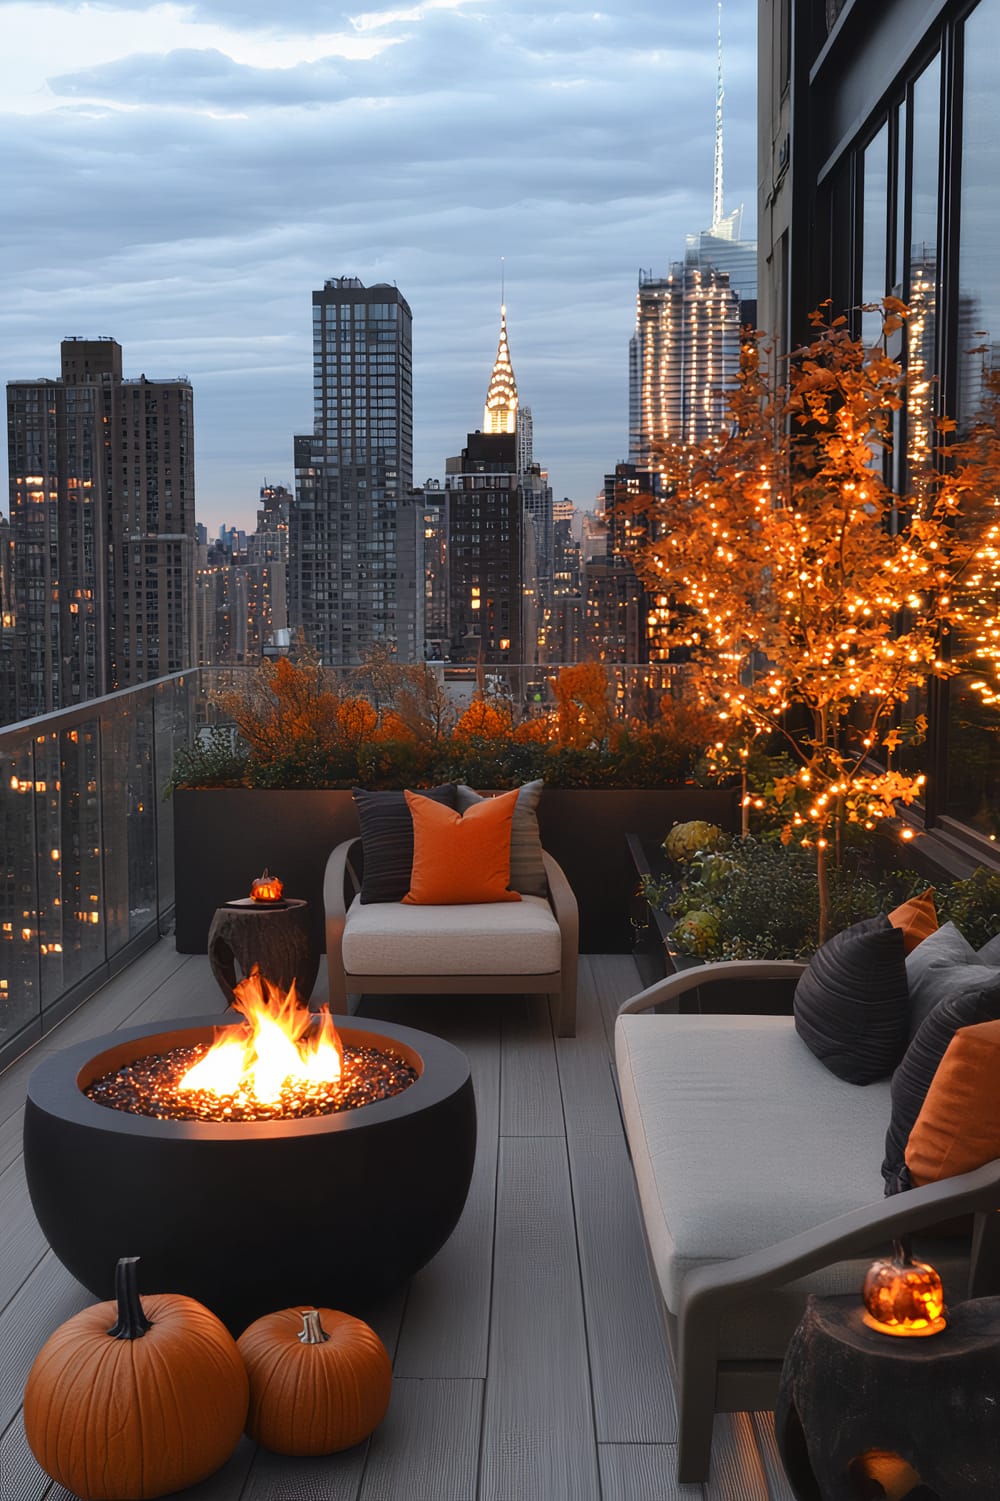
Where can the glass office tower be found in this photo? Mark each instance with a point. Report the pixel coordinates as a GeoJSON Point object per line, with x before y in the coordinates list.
{"type": "Point", "coordinates": [354, 537]}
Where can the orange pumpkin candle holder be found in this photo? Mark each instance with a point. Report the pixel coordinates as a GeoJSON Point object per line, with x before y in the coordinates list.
{"type": "Point", "coordinates": [903, 1296]}
{"type": "Point", "coordinates": [267, 888]}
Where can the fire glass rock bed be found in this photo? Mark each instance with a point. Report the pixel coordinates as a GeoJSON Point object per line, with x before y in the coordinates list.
{"type": "Point", "coordinates": [251, 1216]}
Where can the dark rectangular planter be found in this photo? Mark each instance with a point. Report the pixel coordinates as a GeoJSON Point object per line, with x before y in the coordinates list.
{"type": "Point", "coordinates": [656, 957]}
{"type": "Point", "coordinates": [225, 836]}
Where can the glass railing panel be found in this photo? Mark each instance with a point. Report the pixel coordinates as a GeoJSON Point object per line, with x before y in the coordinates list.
{"type": "Point", "coordinates": [130, 855]}
{"type": "Point", "coordinates": [173, 727]}
{"type": "Point", "coordinates": [68, 830]}
{"type": "Point", "coordinates": [20, 985]}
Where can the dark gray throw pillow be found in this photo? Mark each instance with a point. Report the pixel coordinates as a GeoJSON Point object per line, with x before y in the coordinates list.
{"type": "Point", "coordinates": [967, 994]}
{"type": "Point", "coordinates": [387, 839]}
{"type": "Point", "coordinates": [851, 1004]}
{"type": "Point", "coordinates": [527, 868]}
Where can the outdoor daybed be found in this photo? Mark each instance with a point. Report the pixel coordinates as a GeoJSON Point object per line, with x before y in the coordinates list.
{"type": "Point", "coordinates": [758, 1178]}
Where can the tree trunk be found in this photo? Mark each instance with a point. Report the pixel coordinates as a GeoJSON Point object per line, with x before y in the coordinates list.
{"type": "Point", "coordinates": [823, 889]}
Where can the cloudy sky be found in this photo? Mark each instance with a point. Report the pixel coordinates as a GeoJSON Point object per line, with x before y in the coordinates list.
{"type": "Point", "coordinates": [182, 176]}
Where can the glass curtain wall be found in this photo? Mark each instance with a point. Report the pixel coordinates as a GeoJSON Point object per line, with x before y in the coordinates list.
{"type": "Point", "coordinates": [929, 233]}
{"type": "Point", "coordinates": [974, 729]}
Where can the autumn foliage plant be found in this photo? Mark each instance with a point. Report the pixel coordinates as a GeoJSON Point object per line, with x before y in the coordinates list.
{"type": "Point", "coordinates": [815, 583]}
{"type": "Point", "coordinates": [392, 724]}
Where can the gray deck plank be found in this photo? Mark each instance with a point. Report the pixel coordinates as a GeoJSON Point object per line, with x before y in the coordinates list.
{"type": "Point", "coordinates": [630, 1369]}
{"type": "Point", "coordinates": [445, 1331]}
{"type": "Point", "coordinates": [48, 1297]}
{"type": "Point", "coordinates": [24, 1245]}
{"type": "Point", "coordinates": [778, 1488]}
{"type": "Point", "coordinates": [329, 1477]}
{"type": "Point", "coordinates": [590, 1104]}
{"type": "Point", "coordinates": [530, 1104]}
{"type": "Point", "coordinates": [21, 1478]}
{"type": "Point", "coordinates": [538, 1429]}
{"type": "Point", "coordinates": [11, 1129]}
{"type": "Point", "coordinates": [614, 978]}
{"type": "Point", "coordinates": [427, 1447]}
{"type": "Point", "coordinates": [737, 1472]}
{"type": "Point", "coordinates": [642, 1472]}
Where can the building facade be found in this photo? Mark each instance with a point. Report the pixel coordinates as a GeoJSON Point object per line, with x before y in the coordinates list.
{"type": "Point", "coordinates": [353, 538]}
{"type": "Point", "coordinates": [102, 530]}
{"type": "Point", "coordinates": [879, 170]}
{"type": "Point", "coordinates": [684, 354]}
{"type": "Point", "coordinates": [494, 610]}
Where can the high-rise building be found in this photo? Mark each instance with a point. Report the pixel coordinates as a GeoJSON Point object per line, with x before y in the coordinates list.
{"type": "Point", "coordinates": [102, 529]}
{"type": "Point", "coordinates": [492, 571]}
{"type": "Point", "coordinates": [685, 351]}
{"type": "Point", "coordinates": [355, 541]}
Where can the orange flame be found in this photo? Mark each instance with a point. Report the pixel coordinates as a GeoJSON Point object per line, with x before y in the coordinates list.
{"type": "Point", "coordinates": [283, 1046]}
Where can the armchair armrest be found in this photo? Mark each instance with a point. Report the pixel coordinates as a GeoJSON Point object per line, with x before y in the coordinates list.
{"type": "Point", "coordinates": [567, 915]}
{"type": "Point", "coordinates": [339, 872]}
{"type": "Point", "coordinates": [724, 971]}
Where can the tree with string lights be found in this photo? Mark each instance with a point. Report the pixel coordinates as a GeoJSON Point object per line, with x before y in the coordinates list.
{"type": "Point", "coordinates": [810, 597]}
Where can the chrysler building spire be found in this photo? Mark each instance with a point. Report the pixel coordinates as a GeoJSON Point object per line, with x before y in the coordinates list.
{"type": "Point", "coordinates": [500, 412]}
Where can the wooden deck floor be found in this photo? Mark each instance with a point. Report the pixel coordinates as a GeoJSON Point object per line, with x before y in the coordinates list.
{"type": "Point", "coordinates": [529, 1357]}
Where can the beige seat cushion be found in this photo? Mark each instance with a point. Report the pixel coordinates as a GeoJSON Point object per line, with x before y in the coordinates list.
{"type": "Point", "coordinates": [490, 938]}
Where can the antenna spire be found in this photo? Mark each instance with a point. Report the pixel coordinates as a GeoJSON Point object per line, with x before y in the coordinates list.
{"type": "Point", "coordinates": [503, 299]}
{"type": "Point", "coordinates": [719, 96]}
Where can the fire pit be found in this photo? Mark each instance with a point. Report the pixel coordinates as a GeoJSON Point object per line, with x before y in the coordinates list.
{"type": "Point", "coordinates": [253, 1210]}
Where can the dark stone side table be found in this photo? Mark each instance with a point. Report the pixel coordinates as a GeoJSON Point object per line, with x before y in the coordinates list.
{"type": "Point", "coordinates": [862, 1415]}
{"type": "Point", "coordinates": [274, 937]}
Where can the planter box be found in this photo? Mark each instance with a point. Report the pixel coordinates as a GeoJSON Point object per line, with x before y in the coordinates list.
{"type": "Point", "coordinates": [225, 836]}
{"type": "Point", "coordinates": [656, 957]}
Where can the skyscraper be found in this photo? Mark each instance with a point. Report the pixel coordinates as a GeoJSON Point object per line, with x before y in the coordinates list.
{"type": "Point", "coordinates": [354, 538]}
{"type": "Point", "coordinates": [685, 349]}
{"type": "Point", "coordinates": [102, 529]}
{"type": "Point", "coordinates": [491, 558]}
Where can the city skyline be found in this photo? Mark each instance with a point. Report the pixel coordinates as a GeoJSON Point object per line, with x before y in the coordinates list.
{"type": "Point", "coordinates": [186, 177]}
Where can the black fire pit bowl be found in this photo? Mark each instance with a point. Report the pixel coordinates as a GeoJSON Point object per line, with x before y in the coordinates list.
{"type": "Point", "coordinates": [253, 1216]}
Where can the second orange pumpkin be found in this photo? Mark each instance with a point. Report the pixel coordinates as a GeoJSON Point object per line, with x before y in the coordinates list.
{"type": "Point", "coordinates": [319, 1380]}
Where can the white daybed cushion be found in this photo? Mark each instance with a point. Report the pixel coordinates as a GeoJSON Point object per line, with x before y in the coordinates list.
{"type": "Point", "coordinates": [740, 1137]}
{"type": "Point", "coordinates": [482, 938]}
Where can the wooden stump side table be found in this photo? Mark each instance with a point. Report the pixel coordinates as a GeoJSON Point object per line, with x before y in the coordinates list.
{"type": "Point", "coordinates": [862, 1415]}
{"type": "Point", "coordinates": [276, 938]}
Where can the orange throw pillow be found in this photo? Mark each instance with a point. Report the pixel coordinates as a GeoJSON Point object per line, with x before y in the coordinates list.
{"type": "Point", "coordinates": [918, 919]}
{"type": "Point", "coordinates": [460, 858]}
{"type": "Point", "coordinates": [958, 1127]}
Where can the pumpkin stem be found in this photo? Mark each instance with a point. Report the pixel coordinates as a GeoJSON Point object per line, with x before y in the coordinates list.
{"type": "Point", "coordinates": [132, 1323]}
{"type": "Point", "coordinates": [902, 1250]}
{"type": "Point", "coordinates": [313, 1332]}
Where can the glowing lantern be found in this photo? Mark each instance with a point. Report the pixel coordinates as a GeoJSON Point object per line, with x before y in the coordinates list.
{"type": "Point", "coordinates": [266, 888]}
{"type": "Point", "coordinates": [903, 1296]}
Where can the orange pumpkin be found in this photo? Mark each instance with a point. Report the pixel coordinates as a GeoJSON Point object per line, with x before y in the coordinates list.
{"type": "Point", "coordinates": [149, 1405]}
{"type": "Point", "coordinates": [903, 1296]}
{"type": "Point", "coordinates": [267, 888]}
{"type": "Point", "coordinates": [319, 1380]}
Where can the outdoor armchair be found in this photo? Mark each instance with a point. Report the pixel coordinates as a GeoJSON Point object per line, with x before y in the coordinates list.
{"type": "Point", "coordinates": [501, 948]}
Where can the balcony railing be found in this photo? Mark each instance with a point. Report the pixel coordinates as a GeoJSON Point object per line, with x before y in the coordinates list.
{"type": "Point", "coordinates": [87, 837]}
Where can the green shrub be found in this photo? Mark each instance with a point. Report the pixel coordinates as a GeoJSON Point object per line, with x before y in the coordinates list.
{"type": "Point", "coordinates": [766, 897]}
{"type": "Point", "coordinates": [213, 760]}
